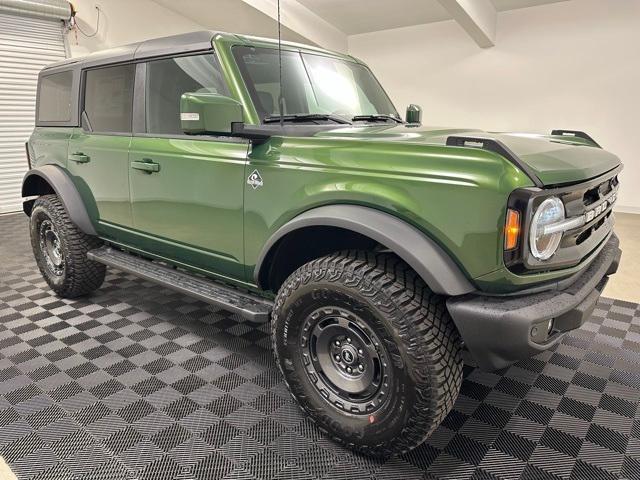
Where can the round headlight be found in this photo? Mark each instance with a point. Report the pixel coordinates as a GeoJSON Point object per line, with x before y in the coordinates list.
{"type": "Point", "coordinates": [544, 246]}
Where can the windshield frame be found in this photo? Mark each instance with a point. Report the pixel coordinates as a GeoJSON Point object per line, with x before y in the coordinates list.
{"type": "Point", "coordinates": [249, 85]}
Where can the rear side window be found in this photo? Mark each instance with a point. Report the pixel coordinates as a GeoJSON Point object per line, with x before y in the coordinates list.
{"type": "Point", "coordinates": [168, 79]}
{"type": "Point", "coordinates": [108, 98]}
{"type": "Point", "coordinates": [54, 101]}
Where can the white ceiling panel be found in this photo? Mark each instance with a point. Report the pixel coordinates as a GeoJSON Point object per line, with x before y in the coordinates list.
{"type": "Point", "coordinates": [362, 16]}
{"type": "Point", "coordinates": [503, 5]}
{"type": "Point", "coordinates": [231, 16]}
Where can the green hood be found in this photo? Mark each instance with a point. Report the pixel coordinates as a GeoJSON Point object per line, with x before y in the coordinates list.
{"type": "Point", "coordinates": [554, 159]}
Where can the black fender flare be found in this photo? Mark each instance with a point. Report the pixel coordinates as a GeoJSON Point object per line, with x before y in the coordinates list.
{"type": "Point", "coordinates": [65, 189]}
{"type": "Point", "coordinates": [421, 253]}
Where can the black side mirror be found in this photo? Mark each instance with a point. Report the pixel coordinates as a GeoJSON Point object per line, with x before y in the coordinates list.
{"type": "Point", "coordinates": [414, 114]}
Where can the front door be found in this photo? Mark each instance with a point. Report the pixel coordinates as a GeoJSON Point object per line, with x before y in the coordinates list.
{"type": "Point", "coordinates": [99, 150]}
{"type": "Point", "coordinates": [187, 191]}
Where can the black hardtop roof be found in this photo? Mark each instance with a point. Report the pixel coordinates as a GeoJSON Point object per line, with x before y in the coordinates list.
{"type": "Point", "coordinates": [171, 45]}
{"type": "Point", "coordinates": [185, 43]}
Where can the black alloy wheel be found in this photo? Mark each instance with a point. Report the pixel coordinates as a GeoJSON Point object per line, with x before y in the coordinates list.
{"type": "Point", "coordinates": [345, 360]}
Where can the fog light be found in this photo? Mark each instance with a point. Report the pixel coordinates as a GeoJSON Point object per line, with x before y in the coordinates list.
{"type": "Point", "coordinates": [540, 332]}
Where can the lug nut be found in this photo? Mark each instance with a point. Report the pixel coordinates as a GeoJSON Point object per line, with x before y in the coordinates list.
{"type": "Point", "coordinates": [349, 339]}
{"type": "Point", "coordinates": [337, 342]}
{"type": "Point", "coordinates": [349, 369]}
{"type": "Point", "coordinates": [361, 367]}
{"type": "Point", "coordinates": [360, 351]}
{"type": "Point", "coordinates": [337, 357]}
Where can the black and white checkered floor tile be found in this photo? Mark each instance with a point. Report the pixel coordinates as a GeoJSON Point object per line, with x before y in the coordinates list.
{"type": "Point", "coordinates": [139, 382]}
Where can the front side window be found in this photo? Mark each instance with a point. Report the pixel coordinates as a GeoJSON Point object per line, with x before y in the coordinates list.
{"type": "Point", "coordinates": [54, 101]}
{"type": "Point", "coordinates": [311, 84]}
{"type": "Point", "coordinates": [168, 79]}
{"type": "Point", "coordinates": [108, 98]}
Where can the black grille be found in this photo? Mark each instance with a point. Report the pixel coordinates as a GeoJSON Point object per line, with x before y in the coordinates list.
{"type": "Point", "coordinates": [577, 244]}
{"type": "Point", "coordinates": [599, 192]}
{"type": "Point", "coordinates": [585, 235]}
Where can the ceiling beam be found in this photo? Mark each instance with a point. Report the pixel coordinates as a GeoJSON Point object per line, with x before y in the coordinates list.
{"type": "Point", "coordinates": [303, 21]}
{"type": "Point", "coordinates": [477, 17]}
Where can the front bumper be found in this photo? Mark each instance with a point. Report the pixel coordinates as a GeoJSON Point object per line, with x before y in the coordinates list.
{"type": "Point", "coordinates": [498, 331]}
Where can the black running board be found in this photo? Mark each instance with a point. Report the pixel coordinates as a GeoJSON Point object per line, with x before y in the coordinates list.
{"type": "Point", "coordinates": [249, 306]}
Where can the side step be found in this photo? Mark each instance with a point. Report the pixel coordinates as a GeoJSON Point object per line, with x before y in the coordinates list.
{"type": "Point", "coordinates": [249, 306]}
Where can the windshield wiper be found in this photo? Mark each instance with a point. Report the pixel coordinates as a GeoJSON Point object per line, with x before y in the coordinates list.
{"type": "Point", "coordinates": [304, 117]}
{"type": "Point", "coordinates": [379, 117]}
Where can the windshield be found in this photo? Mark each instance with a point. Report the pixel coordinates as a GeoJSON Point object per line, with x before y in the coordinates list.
{"type": "Point", "coordinates": [311, 84]}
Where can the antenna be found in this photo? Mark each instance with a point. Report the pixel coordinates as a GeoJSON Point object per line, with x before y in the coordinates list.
{"type": "Point", "coordinates": [281, 97]}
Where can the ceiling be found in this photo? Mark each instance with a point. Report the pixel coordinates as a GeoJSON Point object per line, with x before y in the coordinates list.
{"type": "Point", "coordinates": [361, 16]}
{"type": "Point", "coordinates": [231, 16]}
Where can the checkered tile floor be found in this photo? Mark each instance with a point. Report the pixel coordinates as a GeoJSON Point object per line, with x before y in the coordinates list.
{"type": "Point", "coordinates": [137, 382]}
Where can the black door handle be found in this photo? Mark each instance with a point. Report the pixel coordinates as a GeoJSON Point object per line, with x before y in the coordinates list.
{"type": "Point", "coordinates": [146, 166]}
{"type": "Point", "coordinates": [79, 157]}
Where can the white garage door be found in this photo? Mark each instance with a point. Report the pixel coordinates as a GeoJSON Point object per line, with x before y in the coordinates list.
{"type": "Point", "coordinates": [26, 45]}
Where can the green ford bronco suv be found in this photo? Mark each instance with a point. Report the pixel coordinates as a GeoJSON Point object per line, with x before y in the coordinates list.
{"type": "Point", "coordinates": [383, 252]}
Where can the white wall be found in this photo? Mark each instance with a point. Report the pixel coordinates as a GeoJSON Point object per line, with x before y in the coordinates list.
{"type": "Point", "coordinates": [573, 65]}
{"type": "Point", "coordinates": [122, 22]}
{"type": "Point", "coordinates": [129, 21]}
{"type": "Point", "coordinates": [252, 17]}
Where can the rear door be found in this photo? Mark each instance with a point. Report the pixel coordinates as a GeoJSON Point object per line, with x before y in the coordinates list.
{"type": "Point", "coordinates": [186, 191]}
{"type": "Point", "coordinates": [99, 149]}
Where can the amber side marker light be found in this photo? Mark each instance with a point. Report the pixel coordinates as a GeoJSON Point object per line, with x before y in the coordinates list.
{"type": "Point", "coordinates": [511, 229]}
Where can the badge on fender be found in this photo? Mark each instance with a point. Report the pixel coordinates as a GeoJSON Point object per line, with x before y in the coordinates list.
{"type": "Point", "coordinates": [255, 180]}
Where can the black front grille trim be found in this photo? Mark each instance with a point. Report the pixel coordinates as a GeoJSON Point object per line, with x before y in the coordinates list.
{"type": "Point", "coordinates": [576, 244]}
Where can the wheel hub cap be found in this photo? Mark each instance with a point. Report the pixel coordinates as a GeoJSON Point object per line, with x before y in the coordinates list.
{"type": "Point", "coordinates": [348, 354]}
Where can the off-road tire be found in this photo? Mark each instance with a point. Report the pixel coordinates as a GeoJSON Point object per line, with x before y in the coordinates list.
{"type": "Point", "coordinates": [79, 275]}
{"type": "Point", "coordinates": [412, 323]}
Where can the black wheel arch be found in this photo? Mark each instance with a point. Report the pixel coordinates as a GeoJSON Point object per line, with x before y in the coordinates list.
{"type": "Point", "coordinates": [430, 261]}
{"type": "Point", "coordinates": [52, 179]}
